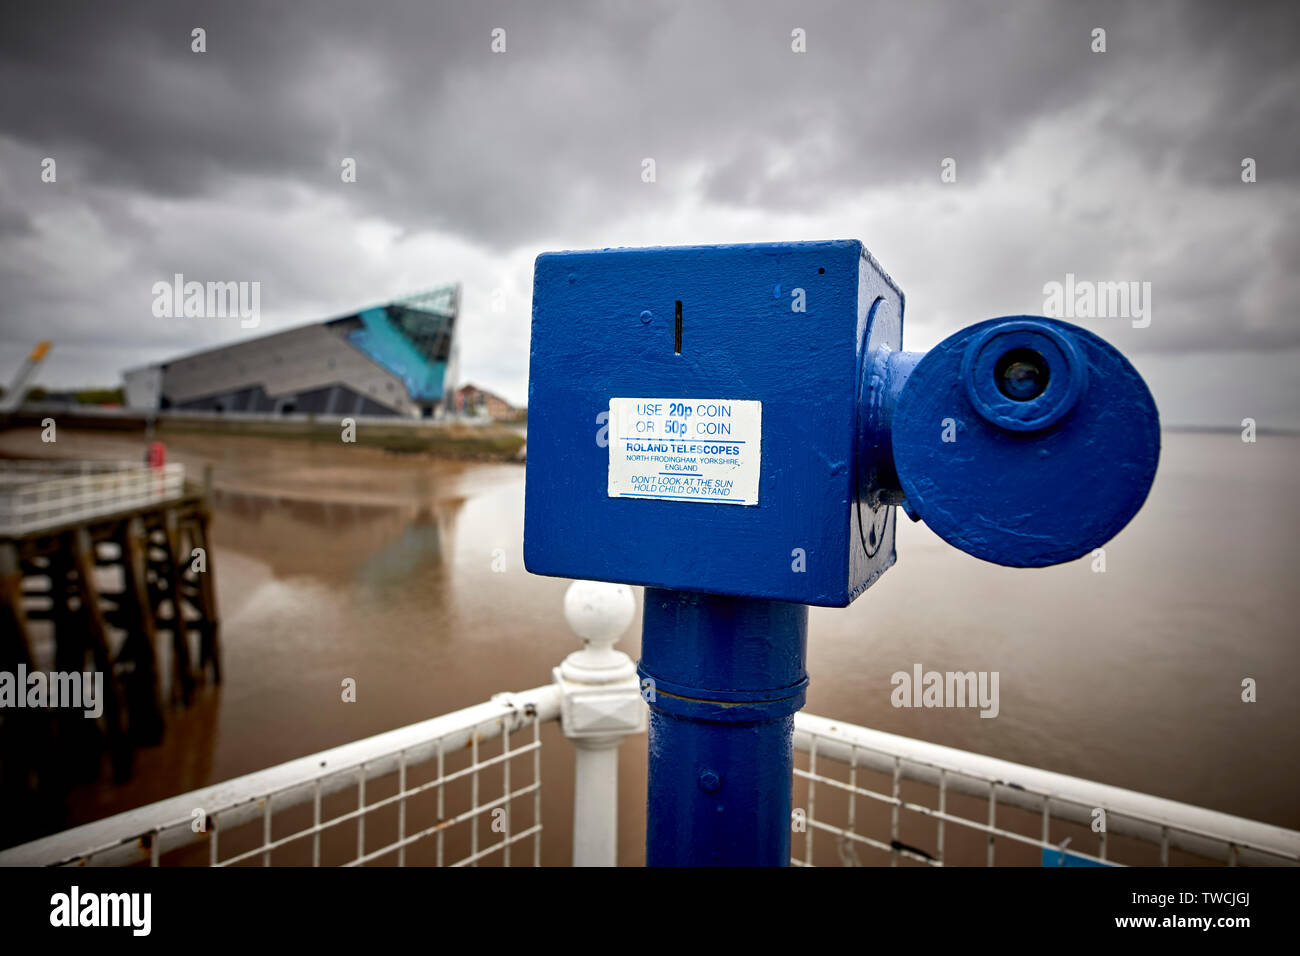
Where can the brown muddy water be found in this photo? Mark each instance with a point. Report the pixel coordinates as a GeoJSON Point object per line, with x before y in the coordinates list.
{"type": "Point", "coordinates": [336, 562]}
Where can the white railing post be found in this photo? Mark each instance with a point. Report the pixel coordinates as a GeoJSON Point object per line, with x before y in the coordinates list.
{"type": "Point", "coordinates": [600, 705]}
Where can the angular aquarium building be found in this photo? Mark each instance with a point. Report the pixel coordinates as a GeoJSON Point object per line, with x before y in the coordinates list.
{"type": "Point", "coordinates": [395, 360]}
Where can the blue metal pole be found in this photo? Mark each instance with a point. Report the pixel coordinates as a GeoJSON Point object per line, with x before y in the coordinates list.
{"type": "Point", "coordinates": [724, 677]}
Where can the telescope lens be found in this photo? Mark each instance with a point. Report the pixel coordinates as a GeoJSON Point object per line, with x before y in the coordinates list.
{"type": "Point", "coordinates": [1022, 374]}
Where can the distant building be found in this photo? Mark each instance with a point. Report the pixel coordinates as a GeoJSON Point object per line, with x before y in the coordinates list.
{"type": "Point", "coordinates": [471, 400]}
{"type": "Point", "coordinates": [397, 359]}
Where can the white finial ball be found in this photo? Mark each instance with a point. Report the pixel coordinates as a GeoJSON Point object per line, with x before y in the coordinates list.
{"type": "Point", "coordinates": [598, 611]}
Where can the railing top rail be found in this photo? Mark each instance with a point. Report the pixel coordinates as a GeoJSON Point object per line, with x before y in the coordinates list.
{"type": "Point", "coordinates": [68, 464]}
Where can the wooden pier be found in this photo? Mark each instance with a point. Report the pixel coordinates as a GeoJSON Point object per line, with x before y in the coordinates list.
{"type": "Point", "coordinates": [105, 568]}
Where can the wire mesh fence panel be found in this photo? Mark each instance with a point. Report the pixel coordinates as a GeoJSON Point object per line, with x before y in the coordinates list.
{"type": "Point", "coordinates": [464, 806]}
{"type": "Point", "coordinates": [462, 789]}
{"type": "Point", "coordinates": [856, 804]}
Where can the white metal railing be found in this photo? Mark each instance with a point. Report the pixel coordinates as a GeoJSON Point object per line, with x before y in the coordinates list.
{"type": "Point", "coordinates": [37, 495]}
{"type": "Point", "coordinates": [1038, 798]}
{"type": "Point", "coordinates": [366, 801]}
{"type": "Point", "coordinates": [465, 787]}
{"type": "Point", "coordinates": [15, 471]}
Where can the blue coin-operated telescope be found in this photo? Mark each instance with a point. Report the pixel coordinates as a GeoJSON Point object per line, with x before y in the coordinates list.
{"type": "Point", "coordinates": [733, 426]}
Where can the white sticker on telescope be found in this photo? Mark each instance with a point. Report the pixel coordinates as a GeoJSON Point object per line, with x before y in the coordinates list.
{"type": "Point", "coordinates": [685, 449]}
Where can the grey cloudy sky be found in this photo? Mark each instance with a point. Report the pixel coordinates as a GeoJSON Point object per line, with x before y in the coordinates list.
{"type": "Point", "coordinates": [225, 165]}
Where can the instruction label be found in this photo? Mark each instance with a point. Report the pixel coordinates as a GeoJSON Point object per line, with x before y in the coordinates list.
{"type": "Point", "coordinates": [685, 449]}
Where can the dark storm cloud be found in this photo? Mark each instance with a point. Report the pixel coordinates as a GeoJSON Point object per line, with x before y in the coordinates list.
{"type": "Point", "coordinates": [445, 136]}
{"type": "Point", "coordinates": [500, 148]}
{"type": "Point", "coordinates": [14, 222]}
{"type": "Point", "coordinates": [166, 157]}
{"type": "Point", "coordinates": [1232, 65]}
